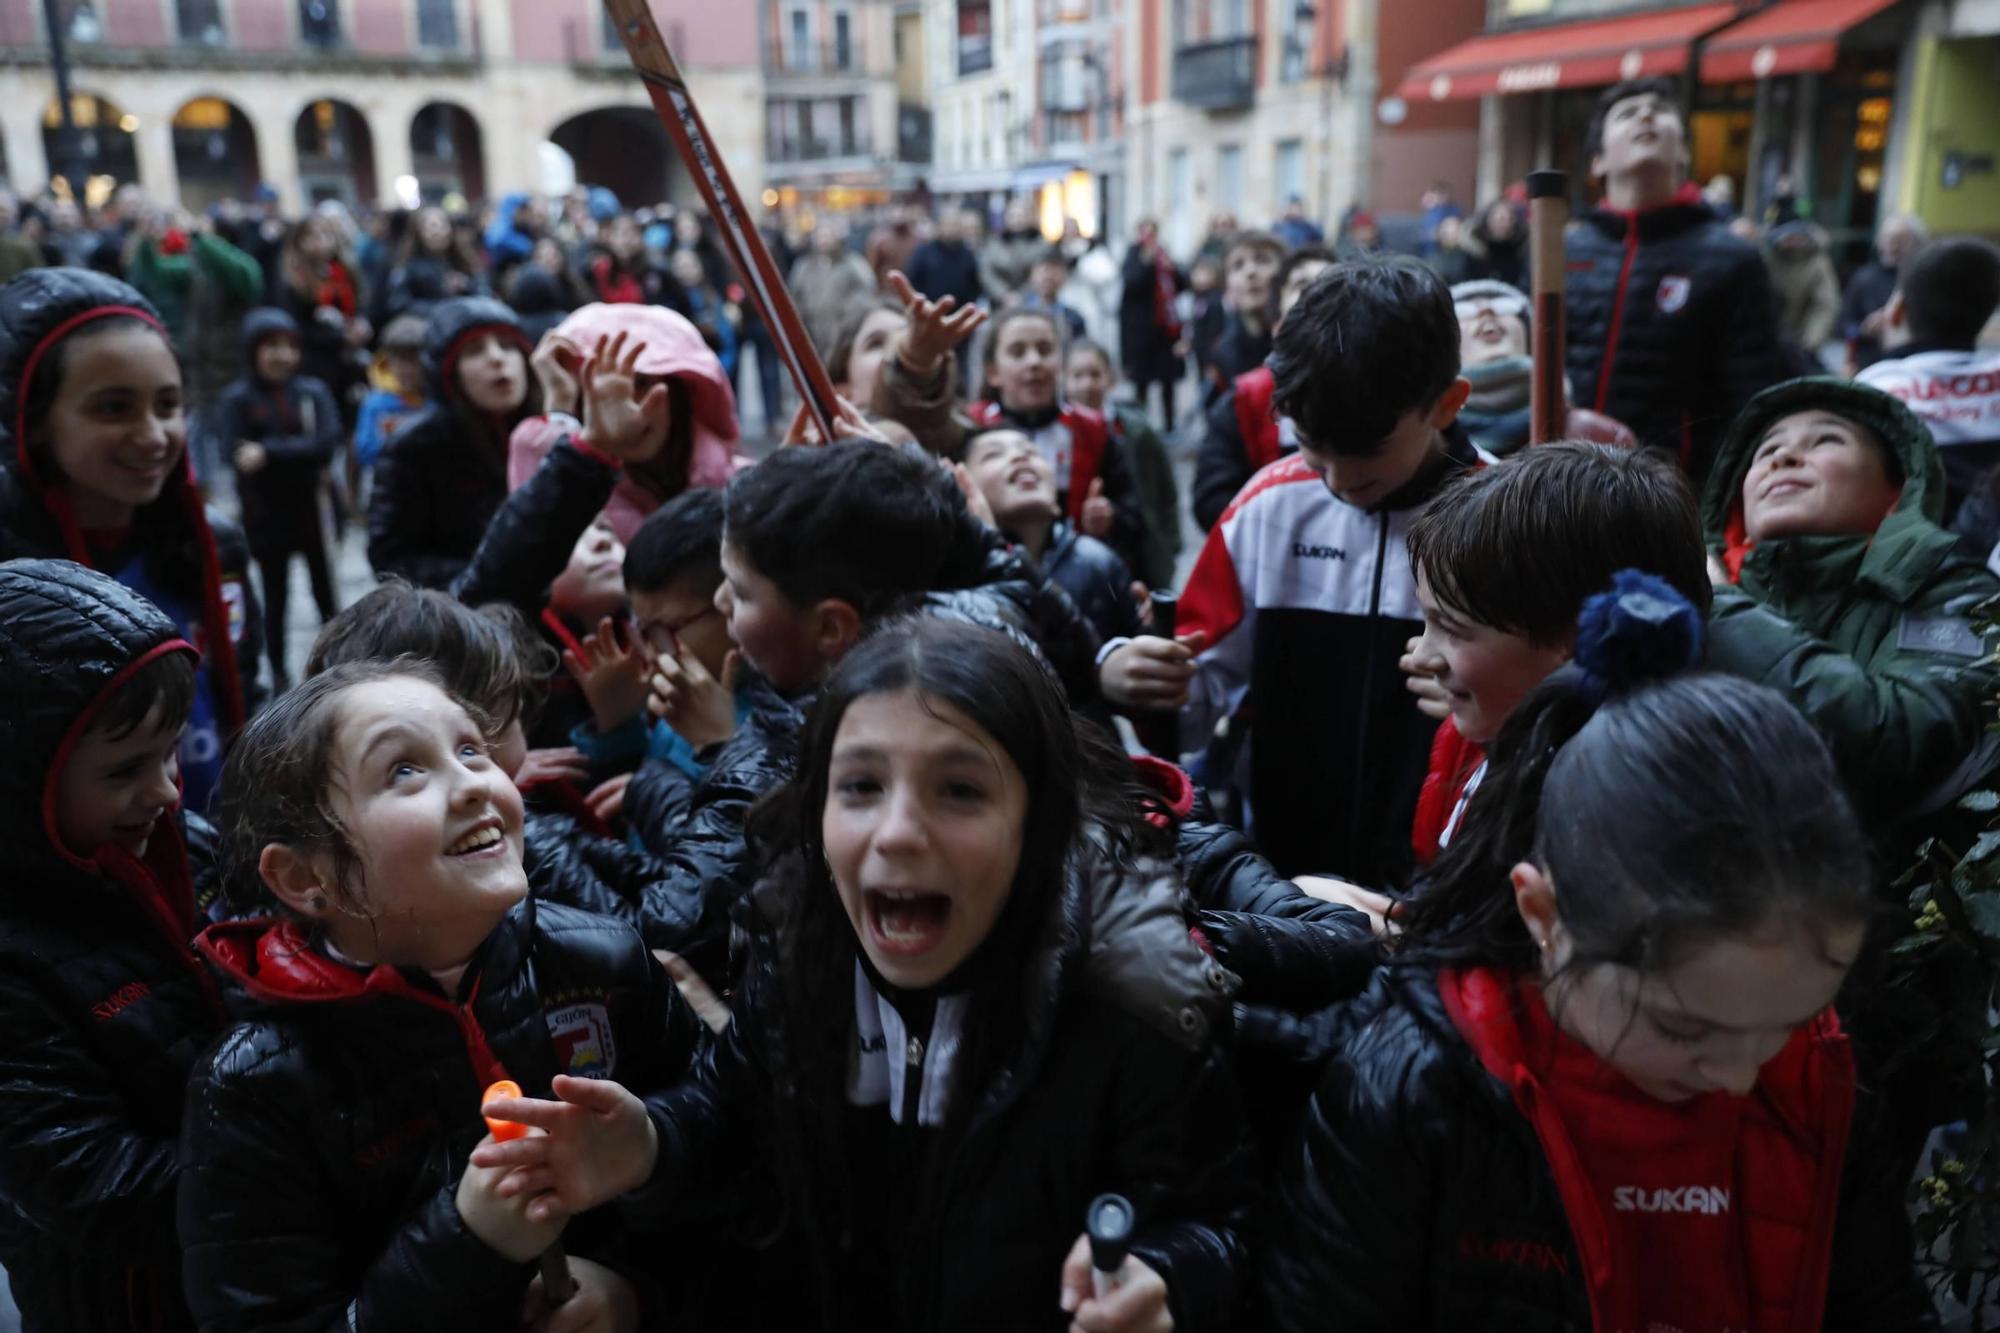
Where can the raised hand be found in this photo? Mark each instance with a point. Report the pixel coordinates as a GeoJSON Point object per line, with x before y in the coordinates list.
{"type": "Point", "coordinates": [556, 362]}
{"type": "Point", "coordinates": [849, 423]}
{"type": "Point", "coordinates": [607, 799]}
{"type": "Point", "coordinates": [616, 420]}
{"type": "Point", "coordinates": [562, 764]}
{"type": "Point", "coordinates": [612, 673]}
{"type": "Point", "coordinates": [1097, 511]}
{"type": "Point", "coordinates": [936, 327]}
{"type": "Point", "coordinates": [700, 708]}
{"type": "Point", "coordinates": [596, 1143]}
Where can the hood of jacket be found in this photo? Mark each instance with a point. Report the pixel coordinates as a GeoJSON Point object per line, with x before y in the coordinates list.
{"type": "Point", "coordinates": [537, 291]}
{"type": "Point", "coordinates": [79, 636]}
{"type": "Point", "coordinates": [38, 310]}
{"type": "Point", "coordinates": [261, 323]}
{"type": "Point", "coordinates": [674, 348]}
{"type": "Point", "coordinates": [453, 325]}
{"type": "Point", "coordinates": [1910, 542]}
{"type": "Point", "coordinates": [503, 239]}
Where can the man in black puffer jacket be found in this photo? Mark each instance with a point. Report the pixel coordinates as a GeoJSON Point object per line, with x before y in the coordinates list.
{"type": "Point", "coordinates": [104, 1007]}
{"type": "Point", "coordinates": [1672, 321]}
{"type": "Point", "coordinates": [442, 477]}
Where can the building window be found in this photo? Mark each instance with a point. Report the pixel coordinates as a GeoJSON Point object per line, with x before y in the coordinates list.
{"type": "Point", "coordinates": [1180, 202]}
{"type": "Point", "coordinates": [1229, 175]}
{"type": "Point", "coordinates": [200, 21]}
{"type": "Point", "coordinates": [850, 144]}
{"type": "Point", "coordinates": [798, 41]}
{"type": "Point", "coordinates": [1289, 171]}
{"type": "Point", "coordinates": [319, 23]}
{"type": "Point", "coordinates": [437, 23]}
{"type": "Point", "coordinates": [614, 40]}
{"type": "Point", "coordinates": [975, 36]}
{"type": "Point", "coordinates": [843, 41]}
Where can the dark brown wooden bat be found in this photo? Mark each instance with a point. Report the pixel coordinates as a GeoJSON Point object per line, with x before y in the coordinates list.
{"type": "Point", "coordinates": [734, 226]}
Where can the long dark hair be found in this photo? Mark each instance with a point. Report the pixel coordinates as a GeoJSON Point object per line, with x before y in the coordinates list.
{"type": "Point", "coordinates": [1670, 807]}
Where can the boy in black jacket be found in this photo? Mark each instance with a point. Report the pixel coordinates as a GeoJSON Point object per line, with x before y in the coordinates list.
{"type": "Point", "coordinates": [104, 1007]}
{"type": "Point", "coordinates": [280, 429]}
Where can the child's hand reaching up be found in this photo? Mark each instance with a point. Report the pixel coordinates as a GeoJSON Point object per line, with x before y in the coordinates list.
{"type": "Point", "coordinates": [616, 421]}
{"type": "Point", "coordinates": [936, 329]}
{"type": "Point", "coordinates": [596, 1144]}
{"type": "Point", "coordinates": [503, 1220]}
{"type": "Point", "coordinates": [612, 673]}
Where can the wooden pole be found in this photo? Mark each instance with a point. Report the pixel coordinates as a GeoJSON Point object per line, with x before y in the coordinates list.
{"type": "Point", "coordinates": [735, 227]}
{"type": "Point", "coordinates": [1548, 215]}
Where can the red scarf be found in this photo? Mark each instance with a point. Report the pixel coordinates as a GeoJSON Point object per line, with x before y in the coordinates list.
{"type": "Point", "coordinates": [1740, 1190]}
{"type": "Point", "coordinates": [1165, 288]}
{"type": "Point", "coordinates": [336, 289]}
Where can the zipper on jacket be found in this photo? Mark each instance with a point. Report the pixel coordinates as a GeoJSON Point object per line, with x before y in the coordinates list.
{"type": "Point", "coordinates": [1617, 311]}
{"type": "Point", "coordinates": [913, 1080]}
{"type": "Point", "coordinates": [1367, 687]}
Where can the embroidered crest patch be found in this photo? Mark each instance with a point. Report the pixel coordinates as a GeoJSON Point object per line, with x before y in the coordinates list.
{"type": "Point", "coordinates": [582, 1037]}
{"type": "Point", "coordinates": [1673, 293]}
{"type": "Point", "coordinates": [1951, 635]}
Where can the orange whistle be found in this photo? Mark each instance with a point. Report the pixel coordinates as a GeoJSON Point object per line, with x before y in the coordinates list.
{"type": "Point", "coordinates": [503, 1130]}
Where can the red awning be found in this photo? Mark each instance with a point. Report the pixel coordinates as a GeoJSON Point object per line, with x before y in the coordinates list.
{"type": "Point", "coordinates": [1791, 37]}
{"type": "Point", "coordinates": [1567, 55]}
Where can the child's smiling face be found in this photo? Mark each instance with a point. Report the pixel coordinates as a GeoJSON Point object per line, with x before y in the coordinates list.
{"type": "Point", "coordinates": [434, 823]}
{"type": "Point", "coordinates": [116, 785]}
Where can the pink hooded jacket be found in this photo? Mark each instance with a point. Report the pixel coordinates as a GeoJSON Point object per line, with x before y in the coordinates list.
{"type": "Point", "coordinates": [673, 347]}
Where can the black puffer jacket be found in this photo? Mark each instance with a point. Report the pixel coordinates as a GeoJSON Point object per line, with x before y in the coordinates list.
{"type": "Point", "coordinates": [297, 423]}
{"type": "Point", "coordinates": [325, 1136]}
{"type": "Point", "coordinates": [443, 476]}
{"type": "Point", "coordinates": [183, 555]}
{"type": "Point", "coordinates": [104, 1007]}
{"type": "Point", "coordinates": [1421, 1198]}
{"type": "Point", "coordinates": [1672, 324]}
{"type": "Point", "coordinates": [1118, 1086]}
{"type": "Point", "coordinates": [1096, 580]}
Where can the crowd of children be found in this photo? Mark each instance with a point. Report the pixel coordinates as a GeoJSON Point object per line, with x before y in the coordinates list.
{"type": "Point", "coordinates": [690, 893]}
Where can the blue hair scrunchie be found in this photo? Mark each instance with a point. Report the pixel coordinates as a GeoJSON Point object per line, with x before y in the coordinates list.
{"type": "Point", "coordinates": [1640, 630]}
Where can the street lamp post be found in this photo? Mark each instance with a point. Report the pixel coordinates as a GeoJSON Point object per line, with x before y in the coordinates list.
{"type": "Point", "coordinates": [66, 160]}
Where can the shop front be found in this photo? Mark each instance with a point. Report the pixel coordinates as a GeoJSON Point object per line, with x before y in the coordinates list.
{"type": "Point", "coordinates": [1793, 101]}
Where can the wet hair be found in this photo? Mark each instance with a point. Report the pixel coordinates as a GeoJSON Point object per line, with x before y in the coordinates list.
{"type": "Point", "coordinates": [1000, 685]}
{"type": "Point", "coordinates": [856, 521]}
{"type": "Point", "coordinates": [840, 356]}
{"type": "Point", "coordinates": [1521, 546]}
{"type": "Point", "coordinates": [997, 330]}
{"type": "Point", "coordinates": [48, 380]}
{"type": "Point", "coordinates": [1950, 289]}
{"type": "Point", "coordinates": [1370, 340]}
{"type": "Point", "coordinates": [489, 656]}
{"type": "Point", "coordinates": [165, 683]}
{"type": "Point", "coordinates": [680, 542]}
{"type": "Point", "coordinates": [1251, 240]}
{"type": "Point", "coordinates": [1670, 807]}
{"type": "Point", "coordinates": [1665, 89]}
{"type": "Point", "coordinates": [278, 782]}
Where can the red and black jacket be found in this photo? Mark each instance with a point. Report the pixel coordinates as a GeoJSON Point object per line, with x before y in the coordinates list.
{"type": "Point", "coordinates": [1454, 760]}
{"type": "Point", "coordinates": [193, 554]}
{"type": "Point", "coordinates": [1243, 438]}
{"type": "Point", "coordinates": [103, 1005]}
{"type": "Point", "coordinates": [326, 1134]}
{"type": "Point", "coordinates": [1423, 1196]}
{"type": "Point", "coordinates": [1672, 324]}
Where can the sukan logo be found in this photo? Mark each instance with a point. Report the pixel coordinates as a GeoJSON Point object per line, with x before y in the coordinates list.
{"type": "Point", "coordinates": [1710, 1199]}
{"type": "Point", "coordinates": [1302, 551]}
